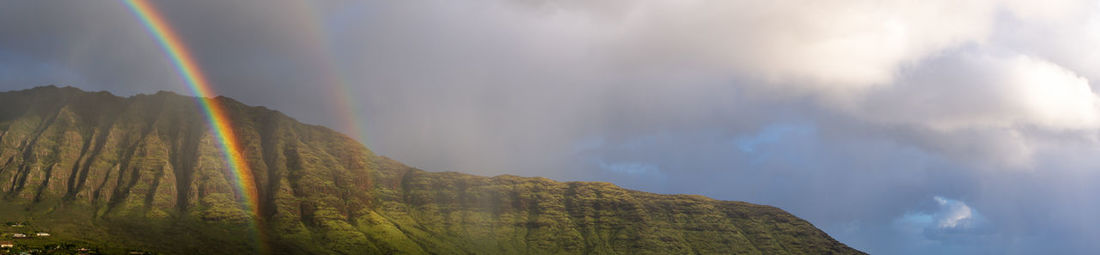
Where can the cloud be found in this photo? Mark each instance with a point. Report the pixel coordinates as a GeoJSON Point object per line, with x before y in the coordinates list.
{"type": "Point", "coordinates": [1050, 11]}
{"type": "Point", "coordinates": [42, 45]}
{"type": "Point", "coordinates": [627, 68]}
{"type": "Point", "coordinates": [950, 219]}
{"type": "Point", "coordinates": [1065, 36]}
{"type": "Point", "coordinates": [927, 69]}
{"type": "Point", "coordinates": [824, 45]}
{"type": "Point", "coordinates": [987, 92]}
{"type": "Point", "coordinates": [952, 227]}
{"type": "Point", "coordinates": [953, 214]}
{"type": "Point", "coordinates": [984, 107]}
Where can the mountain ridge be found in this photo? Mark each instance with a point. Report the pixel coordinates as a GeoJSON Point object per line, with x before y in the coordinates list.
{"type": "Point", "coordinates": [144, 171]}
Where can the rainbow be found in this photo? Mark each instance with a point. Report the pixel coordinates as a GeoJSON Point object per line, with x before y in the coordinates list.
{"type": "Point", "coordinates": [185, 64]}
{"type": "Point", "coordinates": [333, 76]}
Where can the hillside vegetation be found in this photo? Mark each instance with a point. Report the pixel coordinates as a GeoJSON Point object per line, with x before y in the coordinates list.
{"type": "Point", "coordinates": [144, 172]}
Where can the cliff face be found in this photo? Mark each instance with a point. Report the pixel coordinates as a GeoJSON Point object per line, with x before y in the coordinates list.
{"type": "Point", "coordinates": [145, 172]}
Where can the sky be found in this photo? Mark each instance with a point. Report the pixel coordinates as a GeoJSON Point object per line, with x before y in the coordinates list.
{"type": "Point", "coordinates": [898, 127]}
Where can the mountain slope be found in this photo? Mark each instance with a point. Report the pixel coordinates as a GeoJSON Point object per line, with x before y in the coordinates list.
{"type": "Point", "coordinates": [144, 172]}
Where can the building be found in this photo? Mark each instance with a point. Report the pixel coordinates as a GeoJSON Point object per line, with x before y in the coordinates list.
{"type": "Point", "coordinates": [42, 234]}
{"type": "Point", "coordinates": [19, 235]}
{"type": "Point", "coordinates": [6, 244]}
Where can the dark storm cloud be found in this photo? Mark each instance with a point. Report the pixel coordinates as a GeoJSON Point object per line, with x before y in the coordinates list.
{"type": "Point", "coordinates": [79, 43]}
{"type": "Point", "coordinates": [898, 127]}
{"type": "Point", "coordinates": [254, 53]}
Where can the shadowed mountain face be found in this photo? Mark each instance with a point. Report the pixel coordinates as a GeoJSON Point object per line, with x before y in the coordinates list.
{"type": "Point", "coordinates": [145, 172]}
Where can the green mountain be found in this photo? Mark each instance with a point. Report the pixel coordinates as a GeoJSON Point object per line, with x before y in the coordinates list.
{"type": "Point", "coordinates": [145, 173]}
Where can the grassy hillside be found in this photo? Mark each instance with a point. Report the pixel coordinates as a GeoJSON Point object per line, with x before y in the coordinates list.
{"type": "Point", "coordinates": [145, 173]}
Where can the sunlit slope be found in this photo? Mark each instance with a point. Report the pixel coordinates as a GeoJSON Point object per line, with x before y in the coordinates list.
{"type": "Point", "coordinates": [144, 172]}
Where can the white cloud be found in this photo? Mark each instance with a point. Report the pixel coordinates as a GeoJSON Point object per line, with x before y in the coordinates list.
{"type": "Point", "coordinates": [1051, 96]}
{"type": "Point", "coordinates": [949, 216]}
{"type": "Point", "coordinates": [953, 213]}
{"type": "Point", "coordinates": [930, 68]}
{"type": "Point", "coordinates": [1067, 37]}
{"type": "Point", "coordinates": [983, 107]}
{"type": "Point", "coordinates": [1048, 11]}
{"type": "Point", "coordinates": [826, 45]}
{"type": "Point", "coordinates": [981, 91]}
